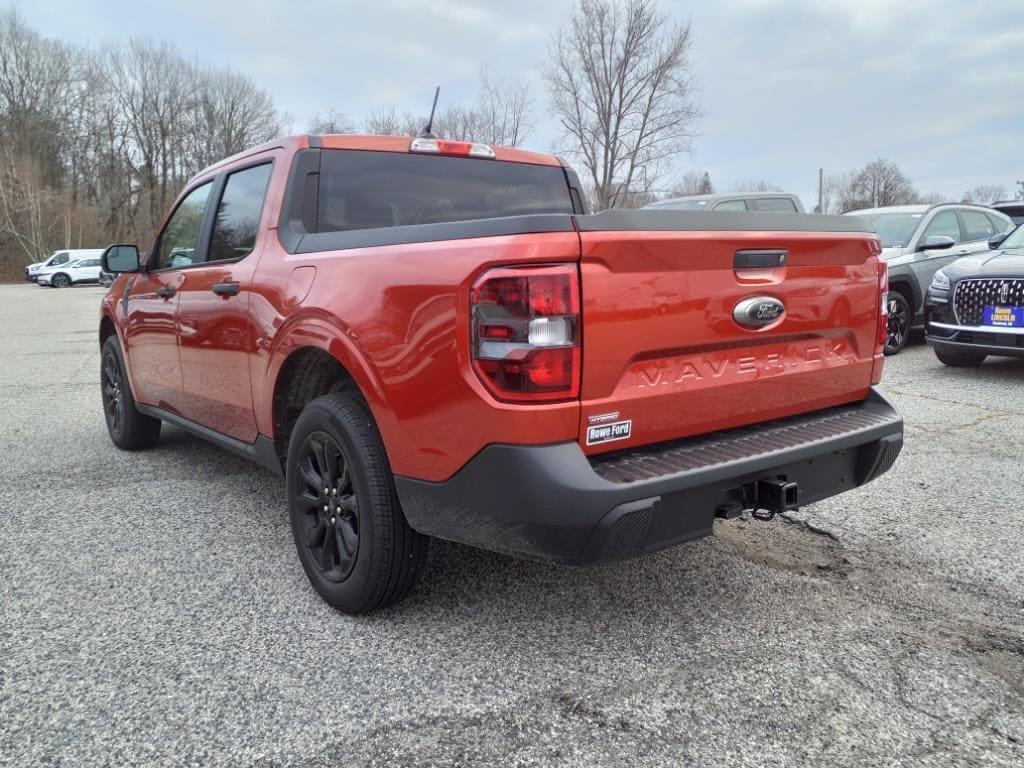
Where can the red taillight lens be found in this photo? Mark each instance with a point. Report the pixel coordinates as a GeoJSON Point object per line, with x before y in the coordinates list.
{"type": "Point", "coordinates": [883, 312]}
{"type": "Point", "coordinates": [526, 332]}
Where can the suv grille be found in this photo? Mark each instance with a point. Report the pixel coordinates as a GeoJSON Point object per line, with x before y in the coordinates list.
{"type": "Point", "coordinates": [972, 296]}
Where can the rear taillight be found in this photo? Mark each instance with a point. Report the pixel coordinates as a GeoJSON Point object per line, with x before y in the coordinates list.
{"type": "Point", "coordinates": [883, 312]}
{"type": "Point", "coordinates": [526, 332]}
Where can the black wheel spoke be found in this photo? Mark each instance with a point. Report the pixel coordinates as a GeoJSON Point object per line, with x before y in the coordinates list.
{"type": "Point", "coordinates": [329, 551]}
{"type": "Point", "coordinates": [348, 535]}
{"type": "Point", "coordinates": [308, 501]}
{"type": "Point", "coordinates": [316, 534]}
{"type": "Point", "coordinates": [310, 475]}
{"type": "Point", "coordinates": [348, 503]}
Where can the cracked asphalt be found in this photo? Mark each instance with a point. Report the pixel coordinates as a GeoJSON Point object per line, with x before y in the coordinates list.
{"type": "Point", "coordinates": [153, 611]}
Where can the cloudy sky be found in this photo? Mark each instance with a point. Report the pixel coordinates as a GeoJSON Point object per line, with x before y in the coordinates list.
{"type": "Point", "coordinates": [786, 86]}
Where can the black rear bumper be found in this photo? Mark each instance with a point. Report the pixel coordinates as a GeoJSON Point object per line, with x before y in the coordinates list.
{"type": "Point", "coordinates": [551, 502]}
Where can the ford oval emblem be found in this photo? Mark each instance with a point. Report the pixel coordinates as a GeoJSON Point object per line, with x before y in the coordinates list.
{"type": "Point", "coordinates": [759, 311]}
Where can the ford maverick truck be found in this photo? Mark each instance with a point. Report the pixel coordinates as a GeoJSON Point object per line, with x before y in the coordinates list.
{"type": "Point", "coordinates": [432, 338]}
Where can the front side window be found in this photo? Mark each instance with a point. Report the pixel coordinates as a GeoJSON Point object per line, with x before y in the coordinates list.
{"type": "Point", "coordinates": [368, 190]}
{"type": "Point", "coordinates": [238, 215]}
{"type": "Point", "coordinates": [976, 226]}
{"type": "Point", "coordinates": [731, 205]}
{"type": "Point", "coordinates": [88, 263]}
{"type": "Point", "coordinates": [60, 258]}
{"type": "Point", "coordinates": [179, 242]}
{"type": "Point", "coordinates": [945, 225]}
{"type": "Point", "coordinates": [894, 229]}
{"type": "Point", "coordinates": [683, 205]}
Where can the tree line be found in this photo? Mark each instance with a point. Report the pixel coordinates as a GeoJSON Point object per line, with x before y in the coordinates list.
{"type": "Point", "coordinates": [94, 145]}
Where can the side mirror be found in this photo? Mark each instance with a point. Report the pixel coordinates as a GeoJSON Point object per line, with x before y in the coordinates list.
{"type": "Point", "coordinates": [996, 240]}
{"type": "Point", "coordinates": [937, 243]}
{"type": "Point", "coordinates": [121, 258]}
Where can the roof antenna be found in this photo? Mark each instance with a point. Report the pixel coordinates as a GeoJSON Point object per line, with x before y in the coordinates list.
{"type": "Point", "coordinates": [426, 132]}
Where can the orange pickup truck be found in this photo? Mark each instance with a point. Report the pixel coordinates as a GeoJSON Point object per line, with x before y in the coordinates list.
{"type": "Point", "coordinates": [432, 338]}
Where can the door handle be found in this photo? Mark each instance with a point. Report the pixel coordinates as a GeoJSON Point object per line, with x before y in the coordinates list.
{"type": "Point", "coordinates": [226, 289]}
{"type": "Point", "coordinates": [166, 291]}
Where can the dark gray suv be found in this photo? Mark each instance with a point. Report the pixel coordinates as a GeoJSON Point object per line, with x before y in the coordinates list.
{"type": "Point", "coordinates": [918, 240]}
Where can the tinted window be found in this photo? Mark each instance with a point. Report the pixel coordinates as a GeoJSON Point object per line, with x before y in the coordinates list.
{"type": "Point", "coordinates": [774, 204]}
{"type": "Point", "coordinates": [945, 225]}
{"type": "Point", "coordinates": [683, 205]}
{"type": "Point", "coordinates": [88, 263]}
{"type": "Point", "coordinates": [976, 225]}
{"type": "Point", "coordinates": [366, 190]}
{"type": "Point", "coordinates": [180, 239]}
{"type": "Point", "coordinates": [238, 215]}
{"type": "Point", "coordinates": [60, 258]}
{"type": "Point", "coordinates": [894, 229]}
{"type": "Point", "coordinates": [1000, 224]}
{"type": "Point", "coordinates": [731, 205]}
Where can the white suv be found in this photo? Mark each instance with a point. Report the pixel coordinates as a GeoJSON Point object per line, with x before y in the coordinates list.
{"type": "Point", "coordinates": [72, 273]}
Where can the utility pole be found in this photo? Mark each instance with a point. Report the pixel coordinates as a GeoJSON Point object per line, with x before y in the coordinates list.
{"type": "Point", "coordinates": [821, 197]}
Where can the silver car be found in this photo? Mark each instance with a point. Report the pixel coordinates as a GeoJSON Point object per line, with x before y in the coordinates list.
{"type": "Point", "coordinates": [778, 202]}
{"type": "Point", "coordinates": [74, 273]}
{"type": "Point", "coordinates": [918, 240]}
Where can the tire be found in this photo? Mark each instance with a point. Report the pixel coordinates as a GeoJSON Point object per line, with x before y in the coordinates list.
{"type": "Point", "coordinates": [360, 555]}
{"type": "Point", "coordinates": [129, 429]}
{"type": "Point", "coordinates": [900, 320]}
{"type": "Point", "coordinates": [60, 280]}
{"type": "Point", "coordinates": [956, 358]}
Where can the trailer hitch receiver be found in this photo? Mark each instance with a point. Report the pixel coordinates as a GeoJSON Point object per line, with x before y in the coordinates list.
{"type": "Point", "coordinates": [774, 496]}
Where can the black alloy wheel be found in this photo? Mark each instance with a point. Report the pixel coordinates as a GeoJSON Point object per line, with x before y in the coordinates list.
{"type": "Point", "coordinates": [113, 401]}
{"type": "Point", "coordinates": [898, 329]}
{"type": "Point", "coordinates": [327, 500]}
{"type": "Point", "coordinates": [60, 281]}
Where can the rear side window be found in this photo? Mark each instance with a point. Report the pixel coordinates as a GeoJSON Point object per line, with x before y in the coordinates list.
{"type": "Point", "coordinates": [369, 190]}
{"type": "Point", "coordinates": [731, 205]}
{"type": "Point", "coordinates": [781, 204]}
{"type": "Point", "coordinates": [88, 263]}
{"type": "Point", "coordinates": [238, 215]}
{"type": "Point", "coordinates": [999, 223]}
{"type": "Point", "coordinates": [976, 225]}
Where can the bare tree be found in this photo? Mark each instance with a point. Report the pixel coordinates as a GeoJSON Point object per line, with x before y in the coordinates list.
{"type": "Point", "coordinates": [388, 121]}
{"type": "Point", "coordinates": [931, 198]}
{"type": "Point", "coordinates": [503, 112]}
{"type": "Point", "coordinates": [690, 183]}
{"type": "Point", "coordinates": [878, 184]}
{"type": "Point", "coordinates": [755, 185]}
{"type": "Point", "coordinates": [94, 146]}
{"type": "Point", "coordinates": [986, 194]}
{"type": "Point", "coordinates": [620, 85]}
{"type": "Point", "coordinates": [332, 121]}
{"type": "Point", "coordinates": [834, 190]}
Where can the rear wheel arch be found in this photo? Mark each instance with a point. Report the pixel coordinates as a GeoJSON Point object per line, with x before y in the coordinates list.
{"type": "Point", "coordinates": [107, 328]}
{"type": "Point", "coordinates": [309, 372]}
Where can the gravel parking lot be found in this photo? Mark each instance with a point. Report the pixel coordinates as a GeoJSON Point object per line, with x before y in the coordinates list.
{"type": "Point", "coordinates": [153, 611]}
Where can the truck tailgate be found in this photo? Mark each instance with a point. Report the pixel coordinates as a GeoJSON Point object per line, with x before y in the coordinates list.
{"type": "Point", "coordinates": [663, 355]}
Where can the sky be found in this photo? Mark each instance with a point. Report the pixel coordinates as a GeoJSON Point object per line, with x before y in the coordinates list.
{"type": "Point", "coordinates": [785, 87]}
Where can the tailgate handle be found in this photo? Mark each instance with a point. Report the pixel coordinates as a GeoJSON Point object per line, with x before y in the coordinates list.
{"type": "Point", "coordinates": [760, 258]}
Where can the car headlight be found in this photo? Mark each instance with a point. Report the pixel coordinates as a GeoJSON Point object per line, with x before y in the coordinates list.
{"type": "Point", "coordinates": [940, 281]}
